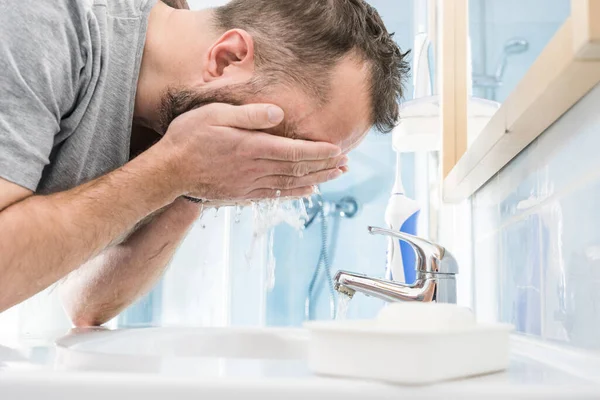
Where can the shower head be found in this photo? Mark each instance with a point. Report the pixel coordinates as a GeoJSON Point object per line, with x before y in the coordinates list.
{"type": "Point", "coordinates": [511, 47]}
{"type": "Point", "coordinates": [516, 46]}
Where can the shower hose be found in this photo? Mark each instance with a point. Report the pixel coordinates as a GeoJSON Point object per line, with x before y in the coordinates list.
{"type": "Point", "coordinates": [323, 268]}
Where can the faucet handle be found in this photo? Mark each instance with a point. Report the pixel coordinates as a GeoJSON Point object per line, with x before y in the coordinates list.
{"type": "Point", "coordinates": [430, 257]}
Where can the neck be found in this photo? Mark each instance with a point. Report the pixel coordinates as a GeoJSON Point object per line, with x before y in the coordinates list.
{"type": "Point", "coordinates": [172, 53]}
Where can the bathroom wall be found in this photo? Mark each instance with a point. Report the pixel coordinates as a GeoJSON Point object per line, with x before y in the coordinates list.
{"type": "Point", "coordinates": [494, 22]}
{"type": "Point", "coordinates": [537, 238]}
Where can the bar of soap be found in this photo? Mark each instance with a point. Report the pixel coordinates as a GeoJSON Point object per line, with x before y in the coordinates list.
{"type": "Point", "coordinates": [425, 316]}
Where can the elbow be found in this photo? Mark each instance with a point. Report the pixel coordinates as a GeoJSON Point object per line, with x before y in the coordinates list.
{"type": "Point", "coordinates": [84, 317]}
{"type": "Point", "coordinates": [82, 312]}
{"type": "Point", "coordinates": [86, 321]}
{"type": "Point", "coordinates": [87, 318]}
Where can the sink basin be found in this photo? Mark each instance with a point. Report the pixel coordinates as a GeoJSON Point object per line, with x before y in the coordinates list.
{"type": "Point", "coordinates": [233, 363]}
{"type": "Point", "coordinates": [190, 342]}
{"type": "Point", "coordinates": [199, 352]}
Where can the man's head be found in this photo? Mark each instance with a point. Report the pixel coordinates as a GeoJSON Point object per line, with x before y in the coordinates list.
{"type": "Point", "coordinates": [330, 64]}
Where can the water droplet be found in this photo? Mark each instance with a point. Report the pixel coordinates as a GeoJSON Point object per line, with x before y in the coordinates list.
{"type": "Point", "coordinates": [238, 213]}
{"type": "Point", "coordinates": [278, 194]}
{"type": "Point", "coordinates": [270, 278]}
{"type": "Point", "coordinates": [203, 226]}
{"type": "Point", "coordinates": [216, 212]}
{"type": "Point", "coordinates": [310, 202]}
{"type": "Point", "coordinates": [301, 209]}
{"type": "Point", "coordinates": [267, 214]}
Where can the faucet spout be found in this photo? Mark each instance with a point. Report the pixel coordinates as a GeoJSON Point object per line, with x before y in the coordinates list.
{"type": "Point", "coordinates": [436, 274]}
{"type": "Point", "coordinates": [349, 283]}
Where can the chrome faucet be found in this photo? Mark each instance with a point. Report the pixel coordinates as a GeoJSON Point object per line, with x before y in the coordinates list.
{"type": "Point", "coordinates": [436, 275]}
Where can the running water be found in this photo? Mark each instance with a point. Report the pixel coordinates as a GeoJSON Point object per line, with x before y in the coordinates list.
{"type": "Point", "coordinates": [342, 307]}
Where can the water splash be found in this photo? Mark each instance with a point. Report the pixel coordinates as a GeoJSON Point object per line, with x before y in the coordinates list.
{"type": "Point", "coordinates": [201, 219]}
{"type": "Point", "coordinates": [270, 267]}
{"type": "Point", "coordinates": [267, 214]}
{"type": "Point", "coordinates": [343, 301]}
{"type": "Point", "coordinates": [238, 213]}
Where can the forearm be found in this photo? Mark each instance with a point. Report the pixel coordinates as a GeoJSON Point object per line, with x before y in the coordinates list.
{"type": "Point", "coordinates": [43, 238]}
{"type": "Point", "coordinates": [103, 287]}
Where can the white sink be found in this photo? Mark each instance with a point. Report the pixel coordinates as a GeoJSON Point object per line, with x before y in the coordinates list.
{"type": "Point", "coordinates": [186, 352]}
{"type": "Point", "coordinates": [190, 342]}
{"type": "Point", "coordinates": [232, 363]}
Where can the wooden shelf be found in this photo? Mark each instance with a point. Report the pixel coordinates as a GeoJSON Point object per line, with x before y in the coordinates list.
{"type": "Point", "coordinates": [567, 69]}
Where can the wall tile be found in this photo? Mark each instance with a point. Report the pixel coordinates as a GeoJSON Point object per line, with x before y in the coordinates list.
{"type": "Point", "coordinates": [486, 266]}
{"type": "Point", "coordinates": [572, 270]}
{"type": "Point", "coordinates": [569, 149]}
{"type": "Point", "coordinates": [518, 185]}
{"type": "Point", "coordinates": [486, 211]}
{"type": "Point", "coordinates": [520, 280]}
{"type": "Point", "coordinates": [549, 244]}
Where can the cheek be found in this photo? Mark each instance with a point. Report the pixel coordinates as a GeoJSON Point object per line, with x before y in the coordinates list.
{"type": "Point", "coordinates": [353, 142]}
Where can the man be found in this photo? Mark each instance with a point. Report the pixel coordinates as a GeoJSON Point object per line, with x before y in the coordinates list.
{"type": "Point", "coordinates": [113, 109]}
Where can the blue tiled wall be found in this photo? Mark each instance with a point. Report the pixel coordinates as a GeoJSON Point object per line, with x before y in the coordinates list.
{"type": "Point", "coordinates": [537, 234]}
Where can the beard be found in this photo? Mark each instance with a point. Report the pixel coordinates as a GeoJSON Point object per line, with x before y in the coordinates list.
{"type": "Point", "coordinates": [177, 101]}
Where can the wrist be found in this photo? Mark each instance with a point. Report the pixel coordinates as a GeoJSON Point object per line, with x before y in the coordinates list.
{"type": "Point", "coordinates": [177, 171]}
{"type": "Point", "coordinates": [159, 173]}
{"type": "Point", "coordinates": [185, 211]}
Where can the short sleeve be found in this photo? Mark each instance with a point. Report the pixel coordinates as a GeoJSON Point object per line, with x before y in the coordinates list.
{"type": "Point", "coordinates": [36, 85]}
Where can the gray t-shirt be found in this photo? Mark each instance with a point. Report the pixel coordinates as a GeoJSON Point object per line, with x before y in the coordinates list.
{"type": "Point", "coordinates": [68, 76]}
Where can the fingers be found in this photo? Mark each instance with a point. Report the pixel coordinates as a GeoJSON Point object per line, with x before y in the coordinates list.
{"type": "Point", "coordinates": [292, 182]}
{"type": "Point", "coordinates": [303, 168]}
{"type": "Point", "coordinates": [273, 193]}
{"type": "Point", "coordinates": [271, 147]}
{"type": "Point", "coordinates": [249, 116]}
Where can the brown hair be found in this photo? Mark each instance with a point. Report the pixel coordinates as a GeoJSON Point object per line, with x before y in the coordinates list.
{"type": "Point", "coordinates": [302, 40]}
{"type": "Point", "coordinates": [179, 4]}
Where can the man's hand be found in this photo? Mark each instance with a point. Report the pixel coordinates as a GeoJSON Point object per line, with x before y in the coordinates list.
{"type": "Point", "coordinates": [211, 153]}
{"type": "Point", "coordinates": [217, 152]}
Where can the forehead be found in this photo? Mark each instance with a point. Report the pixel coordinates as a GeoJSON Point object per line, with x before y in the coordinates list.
{"type": "Point", "coordinates": [343, 120]}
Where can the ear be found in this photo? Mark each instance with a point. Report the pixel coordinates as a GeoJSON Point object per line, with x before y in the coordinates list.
{"type": "Point", "coordinates": [231, 57]}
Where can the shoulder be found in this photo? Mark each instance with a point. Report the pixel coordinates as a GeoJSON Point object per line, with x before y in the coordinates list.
{"type": "Point", "coordinates": [43, 45]}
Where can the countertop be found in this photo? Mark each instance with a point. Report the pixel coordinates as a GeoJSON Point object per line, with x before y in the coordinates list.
{"type": "Point", "coordinates": [32, 367]}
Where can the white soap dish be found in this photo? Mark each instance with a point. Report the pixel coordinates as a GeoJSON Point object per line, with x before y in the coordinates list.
{"type": "Point", "coordinates": [410, 344]}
